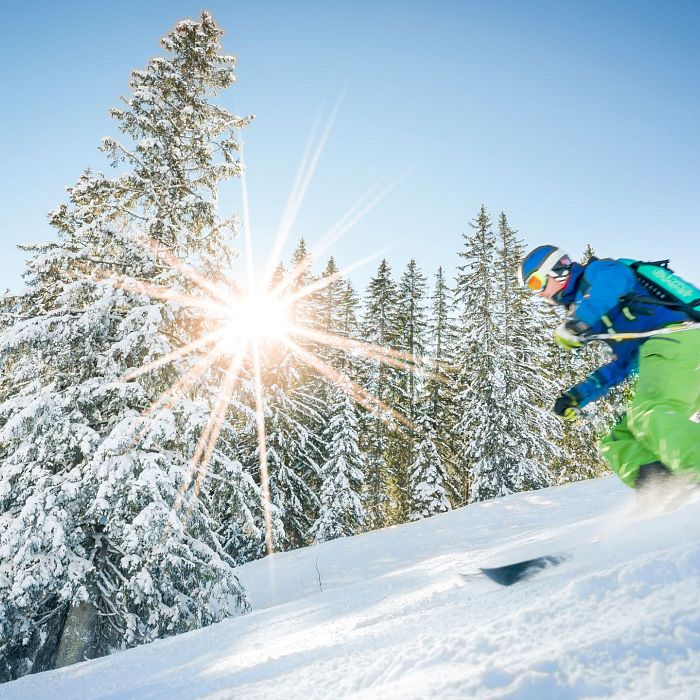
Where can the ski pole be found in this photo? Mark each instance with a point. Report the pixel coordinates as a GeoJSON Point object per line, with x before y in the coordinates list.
{"type": "Point", "coordinates": [645, 334]}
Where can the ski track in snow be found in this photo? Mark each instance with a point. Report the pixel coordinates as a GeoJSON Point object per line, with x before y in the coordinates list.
{"type": "Point", "coordinates": [388, 615]}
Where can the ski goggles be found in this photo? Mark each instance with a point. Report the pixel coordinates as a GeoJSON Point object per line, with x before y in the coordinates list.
{"type": "Point", "coordinates": [556, 266]}
{"type": "Point", "coordinates": [537, 281]}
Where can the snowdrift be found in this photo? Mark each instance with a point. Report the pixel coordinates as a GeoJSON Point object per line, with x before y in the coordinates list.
{"type": "Point", "coordinates": [403, 613]}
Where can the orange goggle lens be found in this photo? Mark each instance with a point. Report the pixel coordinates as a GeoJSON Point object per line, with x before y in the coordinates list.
{"type": "Point", "coordinates": [537, 281]}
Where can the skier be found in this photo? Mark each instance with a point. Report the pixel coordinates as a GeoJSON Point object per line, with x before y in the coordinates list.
{"type": "Point", "coordinates": [656, 438]}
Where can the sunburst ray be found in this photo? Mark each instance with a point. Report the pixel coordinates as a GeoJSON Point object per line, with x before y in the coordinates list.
{"type": "Point", "coordinates": [392, 357]}
{"type": "Point", "coordinates": [210, 435]}
{"type": "Point", "coordinates": [358, 392]}
{"type": "Point", "coordinates": [177, 354]}
{"type": "Point", "coordinates": [154, 291]}
{"type": "Point", "coordinates": [357, 212]}
{"type": "Point", "coordinates": [299, 191]}
{"type": "Point", "coordinates": [262, 448]}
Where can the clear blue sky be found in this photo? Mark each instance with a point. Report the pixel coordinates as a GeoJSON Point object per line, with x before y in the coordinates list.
{"type": "Point", "coordinates": [580, 120]}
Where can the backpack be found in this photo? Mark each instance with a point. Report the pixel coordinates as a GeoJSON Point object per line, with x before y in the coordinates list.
{"type": "Point", "coordinates": [665, 287]}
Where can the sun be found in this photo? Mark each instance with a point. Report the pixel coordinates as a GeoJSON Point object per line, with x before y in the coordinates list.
{"type": "Point", "coordinates": [256, 316]}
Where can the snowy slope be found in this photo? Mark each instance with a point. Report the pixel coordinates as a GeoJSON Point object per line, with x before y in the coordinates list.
{"type": "Point", "coordinates": [387, 615]}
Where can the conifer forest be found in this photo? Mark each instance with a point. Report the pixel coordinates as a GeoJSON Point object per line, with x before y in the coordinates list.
{"type": "Point", "coordinates": [153, 436]}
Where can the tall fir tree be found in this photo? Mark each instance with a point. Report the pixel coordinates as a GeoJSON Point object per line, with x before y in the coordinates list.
{"type": "Point", "coordinates": [440, 380]}
{"type": "Point", "coordinates": [312, 307]}
{"type": "Point", "coordinates": [328, 320]}
{"type": "Point", "coordinates": [534, 433]}
{"type": "Point", "coordinates": [331, 310]}
{"type": "Point", "coordinates": [349, 303]}
{"type": "Point", "coordinates": [428, 493]}
{"type": "Point", "coordinates": [411, 324]}
{"type": "Point", "coordinates": [341, 510]}
{"type": "Point", "coordinates": [291, 451]}
{"type": "Point", "coordinates": [350, 361]}
{"type": "Point", "coordinates": [97, 555]}
{"type": "Point", "coordinates": [483, 411]}
{"type": "Point", "coordinates": [300, 277]}
{"type": "Point", "coordinates": [378, 328]}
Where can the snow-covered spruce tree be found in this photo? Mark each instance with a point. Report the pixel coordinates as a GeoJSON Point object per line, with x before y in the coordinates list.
{"type": "Point", "coordinates": [348, 303]}
{"type": "Point", "coordinates": [94, 554]}
{"type": "Point", "coordinates": [440, 381]}
{"type": "Point", "coordinates": [292, 452]}
{"type": "Point", "coordinates": [279, 275]}
{"type": "Point", "coordinates": [379, 328]}
{"type": "Point", "coordinates": [428, 478]}
{"type": "Point", "coordinates": [411, 324]}
{"type": "Point", "coordinates": [481, 360]}
{"type": "Point", "coordinates": [308, 311]}
{"type": "Point", "coordinates": [325, 317]}
{"type": "Point", "coordinates": [533, 438]}
{"type": "Point", "coordinates": [304, 311]}
{"type": "Point", "coordinates": [332, 313]}
{"type": "Point", "coordinates": [341, 511]}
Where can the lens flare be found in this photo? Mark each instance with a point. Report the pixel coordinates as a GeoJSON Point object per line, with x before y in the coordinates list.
{"type": "Point", "coordinates": [258, 317]}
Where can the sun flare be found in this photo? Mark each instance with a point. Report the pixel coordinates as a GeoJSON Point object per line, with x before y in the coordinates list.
{"type": "Point", "coordinates": [256, 316]}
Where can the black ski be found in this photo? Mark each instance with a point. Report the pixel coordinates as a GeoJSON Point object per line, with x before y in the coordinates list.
{"type": "Point", "coordinates": [509, 574]}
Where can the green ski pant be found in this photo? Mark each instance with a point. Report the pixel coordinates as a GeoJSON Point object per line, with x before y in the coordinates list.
{"type": "Point", "coordinates": [657, 426]}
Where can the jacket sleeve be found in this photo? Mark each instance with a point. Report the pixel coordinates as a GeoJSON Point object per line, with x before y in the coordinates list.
{"type": "Point", "coordinates": [599, 382]}
{"type": "Point", "coordinates": [602, 286]}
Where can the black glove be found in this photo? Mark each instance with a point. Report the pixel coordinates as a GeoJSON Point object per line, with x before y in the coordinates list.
{"type": "Point", "coordinates": [566, 407]}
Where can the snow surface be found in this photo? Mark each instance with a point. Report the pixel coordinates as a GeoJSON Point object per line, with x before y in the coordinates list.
{"type": "Point", "coordinates": [388, 615]}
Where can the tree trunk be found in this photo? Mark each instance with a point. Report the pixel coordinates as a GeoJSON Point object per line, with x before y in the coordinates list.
{"type": "Point", "coordinates": [78, 635]}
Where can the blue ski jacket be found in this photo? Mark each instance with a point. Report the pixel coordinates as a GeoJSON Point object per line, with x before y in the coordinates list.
{"type": "Point", "coordinates": [606, 296]}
